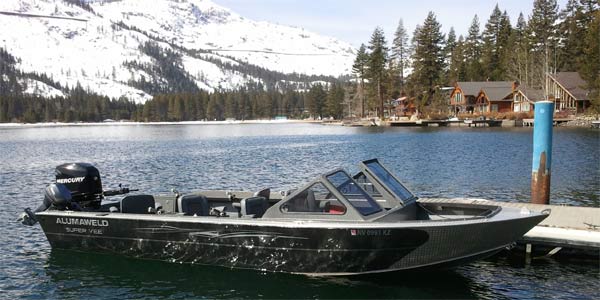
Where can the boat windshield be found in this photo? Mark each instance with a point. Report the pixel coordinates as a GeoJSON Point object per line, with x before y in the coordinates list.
{"type": "Point", "coordinates": [355, 195]}
{"type": "Point", "coordinates": [387, 179]}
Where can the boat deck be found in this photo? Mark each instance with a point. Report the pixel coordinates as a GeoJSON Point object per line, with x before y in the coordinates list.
{"type": "Point", "coordinates": [568, 227]}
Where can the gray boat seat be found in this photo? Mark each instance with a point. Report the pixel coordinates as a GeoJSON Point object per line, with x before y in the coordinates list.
{"type": "Point", "coordinates": [266, 193]}
{"type": "Point", "coordinates": [191, 205]}
{"type": "Point", "coordinates": [303, 202]}
{"type": "Point", "coordinates": [138, 204]}
{"type": "Point", "coordinates": [253, 207]}
{"type": "Point", "coordinates": [311, 203]}
{"type": "Point", "coordinates": [408, 212]}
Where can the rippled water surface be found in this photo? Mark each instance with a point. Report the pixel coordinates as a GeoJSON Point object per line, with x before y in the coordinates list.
{"type": "Point", "coordinates": [450, 162]}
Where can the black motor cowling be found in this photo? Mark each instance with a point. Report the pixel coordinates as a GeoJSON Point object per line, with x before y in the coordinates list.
{"type": "Point", "coordinates": [57, 195]}
{"type": "Point", "coordinates": [83, 181]}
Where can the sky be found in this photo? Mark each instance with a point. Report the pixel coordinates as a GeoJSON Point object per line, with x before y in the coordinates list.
{"type": "Point", "coordinates": [353, 21]}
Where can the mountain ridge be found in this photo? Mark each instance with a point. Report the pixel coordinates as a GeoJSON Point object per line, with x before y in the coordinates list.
{"type": "Point", "coordinates": [214, 47]}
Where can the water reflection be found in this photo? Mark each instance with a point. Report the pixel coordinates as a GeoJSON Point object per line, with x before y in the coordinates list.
{"type": "Point", "coordinates": [82, 275]}
{"type": "Point", "coordinates": [491, 163]}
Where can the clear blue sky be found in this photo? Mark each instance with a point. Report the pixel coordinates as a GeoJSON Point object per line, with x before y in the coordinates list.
{"type": "Point", "coordinates": [354, 20]}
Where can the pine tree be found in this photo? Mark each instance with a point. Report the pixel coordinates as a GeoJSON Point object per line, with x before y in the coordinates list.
{"type": "Point", "coordinates": [178, 108]}
{"type": "Point", "coordinates": [543, 39]}
{"type": "Point", "coordinates": [456, 69]}
{"type": "Point", "coordinates": [376, 67]}
{"type": "Point", "coordinates": [575, 18]}
{"type": "Point", "coordinates": [542, 27]}
{"type": "Point", "coordinates": [490, 54]}
{"type": "Point", "coordinates": [400, 52]}
{"type": "Point", "coordinates": [428, 56]}
{"type": "Point", "coordinates": [472, 51]}
{"type": "Point", "coordinates": [505, 51]}
{"type": "Point", "coordinates": [315, 101]}
{"type": "Point", "coordinates": [591, 50]}
{"type": "Point", "coordinates": [518, 65]}
{"type": "Point", "coordinates": [3, 109]}
{"type": "Point", "coordinates": [449, 50]}
{"type": "Point", "coordinates": [230, 106]}
{"type": "Point", "coordinates": [359, 68]}
{"type": "Point", "coordinates": [334, 102]}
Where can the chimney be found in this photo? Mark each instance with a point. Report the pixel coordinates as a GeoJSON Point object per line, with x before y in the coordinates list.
{"type": "Point", "coordinates": [515, 85]}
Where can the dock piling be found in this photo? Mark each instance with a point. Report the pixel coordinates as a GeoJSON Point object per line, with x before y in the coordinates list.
{"type": "Point", "coordinates": [542, 152]}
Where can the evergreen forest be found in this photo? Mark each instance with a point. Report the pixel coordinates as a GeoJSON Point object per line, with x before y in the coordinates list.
{"type": "Point", "coordinates": [548, 41]}
{"type": "Point", "coordinates": [416, 65]}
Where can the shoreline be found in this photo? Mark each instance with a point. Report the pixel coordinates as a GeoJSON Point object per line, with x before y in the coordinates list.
{"type": "Point", "coordinates": [577, 123]}
{"type": "Point", "coordinates": [132, 123]}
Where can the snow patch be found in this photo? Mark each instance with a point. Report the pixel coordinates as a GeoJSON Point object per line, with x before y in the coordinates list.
{"type": "Point", "coordinates": [92, 53]}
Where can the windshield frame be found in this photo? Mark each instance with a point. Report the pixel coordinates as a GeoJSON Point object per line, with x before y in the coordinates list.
{"type": "Point", "coordinates": [353, 193]}
{"type": "Point", "coordinates": [399, 192]}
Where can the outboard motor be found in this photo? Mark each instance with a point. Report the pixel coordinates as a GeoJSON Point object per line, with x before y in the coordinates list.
{"type": "Point", "coordinates": [55, 195]}
{"type": "Point", "coordinates": [78, 187]}
{"type": "Point", "coordinates": [84, 183]}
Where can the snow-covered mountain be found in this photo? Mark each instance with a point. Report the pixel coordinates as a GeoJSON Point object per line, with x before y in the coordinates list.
{"type": "Point", "coordinates": [100, 46]}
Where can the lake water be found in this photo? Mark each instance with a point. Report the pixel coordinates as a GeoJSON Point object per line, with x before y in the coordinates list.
{"type": "Point", "coordinates": [490, 163]}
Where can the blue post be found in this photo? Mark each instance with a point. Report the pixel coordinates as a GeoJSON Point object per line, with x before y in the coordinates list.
{"type": "Point", "coordinates": [542, 152]}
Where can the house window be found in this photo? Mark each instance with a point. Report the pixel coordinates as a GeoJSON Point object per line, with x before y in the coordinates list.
{"type": "Point", "coordinates": [494, 107]}
{"type": "Point", "coordinates": [525, 106]}
{"type": "Point", "coordinates": [458, 98]}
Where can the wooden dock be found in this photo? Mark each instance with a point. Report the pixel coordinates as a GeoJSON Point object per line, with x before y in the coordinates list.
{"type": "Point", "coordinates": [418, 123]}
{"type": "Point", "coordinates": [568, 229]}
{"type": "Point", "coordinates": [483, 123]}
{"type": "Point", "coordinates": [529, 122]}
{"type": "Point", "coordinates": [443, 123]}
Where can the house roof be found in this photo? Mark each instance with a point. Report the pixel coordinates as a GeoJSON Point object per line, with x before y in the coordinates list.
{"type": "Point", "coordinates": [473, 87]}
{"type": "Point", "coordinates": [532, 94]}
{"type": "Point", "coordinates": [497, 93]}
{"type": "Point", "coordinates": [573, 83]}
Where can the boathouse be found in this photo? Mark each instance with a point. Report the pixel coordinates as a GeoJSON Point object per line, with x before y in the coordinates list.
{"type": "Point", "coordinates": [568, 91]}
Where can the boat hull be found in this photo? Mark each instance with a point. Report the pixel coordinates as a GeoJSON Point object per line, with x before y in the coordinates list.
{"type": "Point", "coordinates": [317, 248]}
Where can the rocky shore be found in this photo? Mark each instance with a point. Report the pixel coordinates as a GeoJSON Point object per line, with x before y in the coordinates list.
{"type": "Point", "coordinates": [581, 121]}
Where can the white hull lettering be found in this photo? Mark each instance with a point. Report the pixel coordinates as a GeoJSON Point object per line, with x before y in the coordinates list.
{"type": "Point", "coordinates": [70, 180]}
{"type": "Point", "coordinates": [82, 222]}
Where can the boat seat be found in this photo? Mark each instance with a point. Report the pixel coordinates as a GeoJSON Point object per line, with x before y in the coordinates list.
{"type": "Point", "coordinates": [303, 202]}
{"type": "Point", "coordinates": [311, 203]}
{"type": "Point", "coordinates": [253, 207]}
{"type": "Point", "coordinates": [265, 193]}
{"type": "Point", "coordinates": [138, 204]}
{"type": "Point", "coordinates": [191, 205]}
{"type": "Point", "coordinates": [408, 212]}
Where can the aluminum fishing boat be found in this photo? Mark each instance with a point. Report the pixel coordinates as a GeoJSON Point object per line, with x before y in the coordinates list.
{"type": "Point", "coordinates": [337, 224]}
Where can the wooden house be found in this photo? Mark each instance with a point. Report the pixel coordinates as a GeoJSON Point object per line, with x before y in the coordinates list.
{"type": "Point", "coordinates": [481, 96]}
{"type": "Point", "coordinates": [497, 99]}
{"type": "Point", "coordinates": [404, 106]}
{"type": "Point", "coordinates": [567, 90]}
{"type": "Point", "coordinates": [525, 98]}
